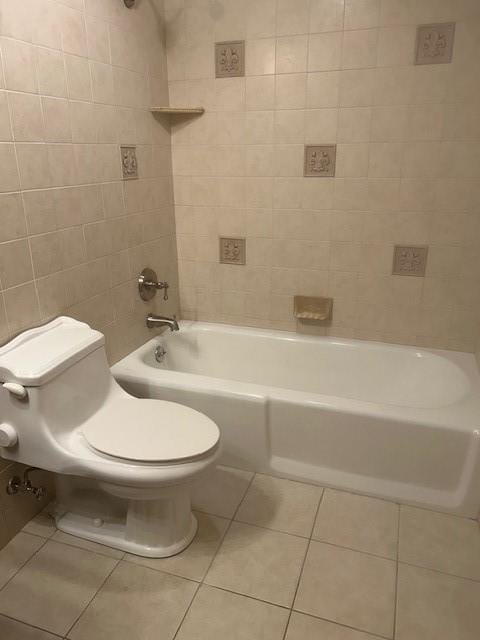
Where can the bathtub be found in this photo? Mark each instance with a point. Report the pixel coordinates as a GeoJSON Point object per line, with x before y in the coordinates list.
{"type": "Point", "coordinates": [390, 421]}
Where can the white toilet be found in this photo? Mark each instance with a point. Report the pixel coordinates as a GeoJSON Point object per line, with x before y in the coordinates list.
{"type": "Point", "coordinates": [126, 464]}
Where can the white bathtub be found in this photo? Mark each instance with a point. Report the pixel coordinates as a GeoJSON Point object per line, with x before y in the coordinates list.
{"type": "Point", "coordinates": [391, 421]}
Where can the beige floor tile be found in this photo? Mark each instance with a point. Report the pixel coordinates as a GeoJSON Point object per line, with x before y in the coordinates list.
{"type": "Point", "coordinates": [303, 627]}
{"type": "Point", "coordinates": [81, 543]}
{"type": "Point", "coordinates": [195, 560]}
{"type": "Point", "coordinates": [435, 606]}
{"type": "Point", "coordinates": [440, 541]}
{"type": "Point", "coordinates": [14, 555]}
{"type": "Point", "coordinates": [41, 525]}
{"type": "Point", "coordinates": [136, 603]}
{"type": "Point", "coordinates": [358, 522]}
{"type": "Point", "coordinates": [259, 563]}
{"type": "Point", "coordinates": [348, 587]}
{"type": "Point", "coordinates": [57, 583]}
{"type": "Point", "coordinates": [280, 504]}
{"type": "Point", "coordinates": [221, 491]}
{"type": "Point", "coordinates": [14, 630]}
{"type": "Point", "coordinates": [4, 535]}
{"type": "Point", "coordinates": [217, 614]}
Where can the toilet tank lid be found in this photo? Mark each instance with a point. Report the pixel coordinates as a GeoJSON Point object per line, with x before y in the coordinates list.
{"type": "Point", "coordinates": [36, 356]}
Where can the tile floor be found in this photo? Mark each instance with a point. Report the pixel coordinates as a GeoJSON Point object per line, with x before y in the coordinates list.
{"type": "Point", "coordinates": [273, 560]}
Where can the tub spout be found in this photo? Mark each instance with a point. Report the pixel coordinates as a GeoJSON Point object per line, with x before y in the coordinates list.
{"type": "Point", "coordinates": [154, 321]}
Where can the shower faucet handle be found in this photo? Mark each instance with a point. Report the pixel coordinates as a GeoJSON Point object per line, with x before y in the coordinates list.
{"type": "Point", "coordinates": [148, 285]}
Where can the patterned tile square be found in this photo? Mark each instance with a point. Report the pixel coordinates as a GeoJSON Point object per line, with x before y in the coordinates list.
{"type": "Point", "coordinates": [259, 563]}
{"type": "Point", "coordinates": [230, 59]}
{"type": "Point", "coordinates": [409, 261]}
{"type": "Point", "coordinates": [348, 587]}
{"type": "Point", "coordinates": [320, 161]}
{"type": "Point", "coordinates": [358, 522]}
{"type": "Point", "coordinates": [435, 43]}
{"type": "Point", "coordinates": [280, 504]}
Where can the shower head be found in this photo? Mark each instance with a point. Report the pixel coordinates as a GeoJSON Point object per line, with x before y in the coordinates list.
{"type": "Point", "coordinates": [129, 3]}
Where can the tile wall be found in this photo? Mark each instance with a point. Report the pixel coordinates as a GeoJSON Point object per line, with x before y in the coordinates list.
{"type": "Point", "coordinates": [77, 78]}
{"type": "Point", "coordinates": [408, 165]}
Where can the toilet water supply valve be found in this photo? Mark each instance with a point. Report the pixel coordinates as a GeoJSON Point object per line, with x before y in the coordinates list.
{"type": "Point", "coordinates": [16, 485]}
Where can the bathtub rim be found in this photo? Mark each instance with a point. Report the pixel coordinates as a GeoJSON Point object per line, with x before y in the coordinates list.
{"type": "Point", "coordinates": [463, 415]}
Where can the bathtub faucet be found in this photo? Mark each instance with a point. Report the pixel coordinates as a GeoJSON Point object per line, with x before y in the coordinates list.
{"type": "Point", "coordinates": [154, 321]}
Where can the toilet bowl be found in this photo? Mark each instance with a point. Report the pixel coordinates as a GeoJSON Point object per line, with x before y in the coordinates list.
{"type": "Point", "coordinates": [125, 464]}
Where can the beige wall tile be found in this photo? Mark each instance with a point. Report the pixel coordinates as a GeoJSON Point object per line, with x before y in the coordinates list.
{"type": "Point", "coordinates": [74, 37]}
{"type": "Point", "coordinates": [359, 49]}
{"type": "Point", "coordinates": [15, 263]}
{"type": "Point", "coordinates": [51, 72]}
{"type": "Point", "coordinates": [362, 14]}
{"type": "Point", "coordinates": [45, 21]}
{"type": "Point", "coordinates": [291, 54]}
{"type": "Point", "coordinates": [326, 15]}
{"type": "Point", "coordinates": [9, 178]}
{"type": "Point", "coordinates": [19, 65]}
{"type": "Point", "coordinates": [324, 51]}
{"type": "Point", "coordinates": [98, 39]}
{"type": "Point", "coordinates": [21, 306]}
{"type": "Point", "coordinates": [260, 57]}
{"type": "Point", "coordinates": [12, 217]}
{"type": "Point", "coordinates": [78, 78]}
{"type": "Point", "coordinates": [27, 120]}
{"type": "Point", "coordinates": [290, 91]}
{"type": "Point", "coordinates": [5, 126]}
{"type": "Point", "coordinates": [292, 17]}
{"type": "Point", "coordinates": [56, 119]}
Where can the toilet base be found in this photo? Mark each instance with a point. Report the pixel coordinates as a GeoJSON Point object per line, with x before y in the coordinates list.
{"type": "Point", "coordinates": [155, 522]}
{"type": "Point", "coordinates": [114, 534]}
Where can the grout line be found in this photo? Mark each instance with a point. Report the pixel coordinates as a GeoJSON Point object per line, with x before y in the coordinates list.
{"type": "Point", "coordinates": [355, 550]}
{"type": "Point", "coordinates": [439, 571]}
{"type": "Point", "coordinates": [94, 595]}
{"type": "Point", "coordinates": [213, 557]}
{"type": "Point", "coordinates": [24, 563]}
{"type": "Point", "coordinates": [317, 511]}
{"type": "Point", "coordinates": [231, 520]}
{"type": "Point", "coordinates": [341, 624]}
{"type": "Point", "coordinates": [395, 597]}
{"type": "Point", "coordinates": [32, 626]}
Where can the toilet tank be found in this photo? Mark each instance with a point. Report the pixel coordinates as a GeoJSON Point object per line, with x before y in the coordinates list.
{"type": "Point", "coordinates": [52, 378]}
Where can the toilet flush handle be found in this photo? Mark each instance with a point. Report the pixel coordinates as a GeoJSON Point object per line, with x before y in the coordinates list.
{"type": "Point", "coordinates": [8, 435]}
{"type": "Point", "coordinates": [17, 390]}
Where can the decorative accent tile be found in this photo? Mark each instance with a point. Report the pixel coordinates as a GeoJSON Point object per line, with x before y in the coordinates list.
{"type": "Point", "coordinates": [230, 59]}
{"type": "Point", "coordinates": [409, 261]}
{"type": "Point", "coordinates": [129, 163]}
{"type": "Point", "coordinates": [320, 161]}
{"type": "Point", "coordinates": [435, 43]}
{"type": "Point", "coordinates": [233, 250]}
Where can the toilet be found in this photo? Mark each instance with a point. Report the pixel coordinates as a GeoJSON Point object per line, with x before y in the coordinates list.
{"type": "Point", "coordinates": [125, 465]}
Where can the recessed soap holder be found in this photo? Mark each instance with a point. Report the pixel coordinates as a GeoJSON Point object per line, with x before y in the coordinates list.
{"type": "Point", "coordinates": [312, 308]}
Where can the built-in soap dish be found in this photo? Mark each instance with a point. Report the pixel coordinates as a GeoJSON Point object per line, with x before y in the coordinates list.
{"type": "Point", "coordinates": [312, 308]}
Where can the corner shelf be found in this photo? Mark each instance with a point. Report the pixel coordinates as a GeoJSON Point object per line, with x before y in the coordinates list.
{"type": "Point", "coordinates": [187, 111]}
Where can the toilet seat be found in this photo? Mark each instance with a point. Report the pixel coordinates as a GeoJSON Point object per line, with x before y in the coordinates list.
{"type": "Point", "coordinates": [151, 431]}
